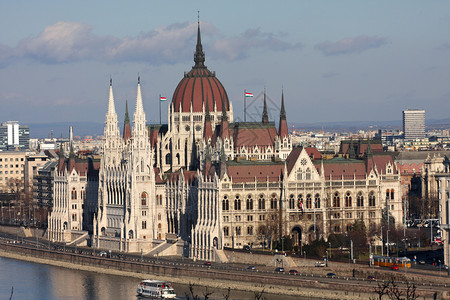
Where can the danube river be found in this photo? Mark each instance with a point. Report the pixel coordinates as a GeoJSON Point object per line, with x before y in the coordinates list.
{"type": "Point", "coordinates": [44, 282]}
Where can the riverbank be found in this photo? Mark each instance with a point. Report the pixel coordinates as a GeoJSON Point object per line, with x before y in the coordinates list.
{"type": "Point", "coordinates": [305, 292]}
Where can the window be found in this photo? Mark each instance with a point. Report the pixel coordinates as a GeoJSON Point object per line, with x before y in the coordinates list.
{"type": "Point", "coordinates": [144, 213]}
{"type": "Point", "coordinates": [336, 200]}
{"type": "Point", "coordinates": [250, 218]}
{"type": "Point", "coordinates": [144, 224]}
{"type": "Point", "coordinates": [348, 200]}
{"type": "Point", "coordinates": [392, 194]}
{"type": "Point", "coordinates": [360, 200]}
{"type": "Point", "coordinates": [291, 202]}
{"type": "Point", "coordinates": [249, 202]}
{"type": "Point", "coordinates": [144, 198]}
{"type": "Point", "coordinates": [261, 202]}
{"type": "Point", "coordinates": [317, 201]}
{"type": "Point", "coordinates": [159, 217]}
{"type": "Point", "coordinates": [74, 194]}
{"type": "Point", "coordinates": [372, 199]}
{"type": "Point", "coordinates": [273, 202]}
{"type": "Point", "coordinates": [238, 230]}
{"type": "Point", "coordinates": [250, 230]}
{"type": "Point", "coordinates": [225, 203]}
{"type": "Point", "coordinates": [237, 203]}
{"type": "Point", "coordinates": [348, 227]}
{"type": "Point", "coordinates": [387, 194]}
{"type": "Point", "coordinates": [308, 174]}
{"type": "Point", "coordinates": [299, 174]}
{"type": "Point", "coordinates": [308, 201]}
{"type": "Point", "coordinates": [74, 217]}
{"type": "Point", "coordinates": [300, 201]}
{"type": "Point", "coordinates": [337, 228]}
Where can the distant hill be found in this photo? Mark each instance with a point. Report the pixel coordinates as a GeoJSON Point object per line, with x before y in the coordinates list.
{"type": "Point", "coordinates": [43, 130]}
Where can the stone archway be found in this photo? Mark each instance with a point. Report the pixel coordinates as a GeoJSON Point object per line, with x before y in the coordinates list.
{"type": "Point", "coordinates": [296, 235]}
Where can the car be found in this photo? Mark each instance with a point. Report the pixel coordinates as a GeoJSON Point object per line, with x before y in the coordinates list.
{"type": "Point", "coordinates": [293, 272]}
{"type": "Point", "coordinates": [394, 267]}
{"type": "Point", "coordinates": [319, 264]}
{"type": "Point", "coordinates": [207, 263]}
{"type": "Point", "coordinates": [103, 254]}
{"type": "Point", "coordinates": [251, 268]}
{"type": "Point", "coordinates": [246, 248]}
{"type": "Point", "coordinates": [421, 262]}
{"type": "Point", "coordinates": [331, 275]}
{"type": "Point", "coordinates": [279, 270]}
{"type": "Point", "coordinates": [370, 277]}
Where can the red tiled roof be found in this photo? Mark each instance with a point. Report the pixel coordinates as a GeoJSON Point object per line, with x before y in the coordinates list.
{"type": "Point", "coordinates": [246, 172]}
{"type": "Point", "coordinates": [255, 135]}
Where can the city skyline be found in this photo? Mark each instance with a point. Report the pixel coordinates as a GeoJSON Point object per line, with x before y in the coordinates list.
{"type": "Point", "coordinates": [347, 61]}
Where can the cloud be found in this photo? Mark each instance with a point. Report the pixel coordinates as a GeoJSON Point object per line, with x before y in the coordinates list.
{"type": "Point", "coordinates": [445, 46]}
{"type": "Point", "coordinates": [235, 48]}
{"type": "Point", "coordinates": [67, 42]}
{"type": "Point", "coordinates": [351, 45]}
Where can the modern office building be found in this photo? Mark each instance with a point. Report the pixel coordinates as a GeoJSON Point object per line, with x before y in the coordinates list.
{"type": "Point", "coordinates": [14, 136]}
{"type": "Point", "coordinates": [414, 124]}
{"type": "Point", "coordinates": [11, 169]}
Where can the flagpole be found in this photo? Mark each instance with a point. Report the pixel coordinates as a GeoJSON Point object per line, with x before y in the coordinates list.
{"type": "Point", "coordinates": [245, 106]}
{"type": "Point", "coordinates": [159, 109]}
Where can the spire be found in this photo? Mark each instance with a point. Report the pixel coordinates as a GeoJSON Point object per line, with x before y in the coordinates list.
{"type": "Point", "coordinates": [351, 149]}
{"type": "Point", "coordinates": [282, 130]}
{"type": "Point", "coordinates": [369, 152]}
{"type": "Point", "coordinates": [283, 111]}
{"type": "Point", "coordinates": [139, 106]}
{"type": "Point", "coordinates": [265, 116]}
{"type": "Point", "coordinates": [207, 130]}
{"type": "Point", "coordinates": [223, 163]}
{"type": "Point", "coordinates": [224, 124]}
{"type": "Point", "coordinates": [111, 106]}
{"type": "Point", "coordinates": [199, 56]}
{"type": "Point", "coordinates": [126, 124]}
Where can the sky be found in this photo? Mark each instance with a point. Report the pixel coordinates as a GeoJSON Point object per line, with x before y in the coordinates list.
{"type": "Point", "coordinates": [335, 60]}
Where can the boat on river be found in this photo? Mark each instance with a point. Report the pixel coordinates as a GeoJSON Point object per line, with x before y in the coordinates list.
{"type": "Point", "coordinates": [156, 289]}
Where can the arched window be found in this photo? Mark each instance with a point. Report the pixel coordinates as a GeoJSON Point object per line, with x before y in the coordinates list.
{"type": "Point", "coordinates": [178, 158]}
{"type": "Point", "coordinates": [225, 203]}
{"type": "Point", "coordinates": [159, 217]}
{"type": "Point", "coordinates": [308, 174]}
{"type": "Point", "coordinates": [300, 201]}
{"type": "Point", "coordinates": [372, 199]}
{"type": "Point", "coordinates": [291, 202]}
{"type": "Point", "coordinates": [74, 194]}
{"type": "Point", "coordinates": [336, 200]}
{"type": "Point", "coordinates": [360, 200]}
{"type": "Point", "coordinates": [144, 198]}
{"type": "Point", "coordinates": [273, 201]}
{"type": "Point", "coordinates": [261, 202]}
{"type": "Point", "coordinates": [387, 194]}
{"type": "Point", "coordinates": [130, 234]}
{"type": "Point", "coordinates": [308, 201]}
{"type": "Point", "coordinates": [237, 203]}
{"type": "Point", "coordinates": [392, 194]}
{"type": "Point", "coordinates": [238, 230]}
{"type": "Point", "coordinates": [337, 228]}
{"type": "Point", "coordinates": [348, 200]}
{"type": "Point", "coordinates": [226, 231]}
{"type": "Point", "coordinates": [249, 202]}
{"type": "Point", "coordinates": [299, 174]}
{"type": "Point", "coordinates": [317, 201]}
{"type": "Point", "coordinates": [348, 227]}
{"type": "Point", "coordinates": [144, 224]}
{"type": "Point", "coordinates": [168, 158]}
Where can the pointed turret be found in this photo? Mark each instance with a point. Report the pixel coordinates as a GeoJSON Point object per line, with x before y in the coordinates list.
{"type": "Point", "coordinates": [265, 115]}
{"type": "Point", "coordinates": [223, 163]}
{"type": "Point", "coordinates": [199, 56]}
{"type": "Point", "coordinates": [224, 132]}
{"type": "Point", "coordinates": [283, 129]}
{"type": "Point", "coordinates": [126, 124]}
{"type": "Point", "coordinates": [71, 160]}
{"type": "Point", "coordinates": [139, 107]}
{"type": "Point", "coordinates": [351, 149]}
{"type": "Point", "coordinates": [111, 105]}
{"type": "Point", "coordinates": [369, 152]}
{"type": "Point", "coordinates": [207, 129]}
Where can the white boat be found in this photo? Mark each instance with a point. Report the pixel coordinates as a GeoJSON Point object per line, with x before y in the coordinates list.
{"type": "Point", "coordinates": [156, 289]}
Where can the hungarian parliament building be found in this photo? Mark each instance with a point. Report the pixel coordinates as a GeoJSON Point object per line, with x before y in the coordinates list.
{"type": "Point", "coordinates": [202, 182]}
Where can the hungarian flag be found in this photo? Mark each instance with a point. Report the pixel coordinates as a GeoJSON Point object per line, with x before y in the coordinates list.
{"type": "Point", "coordinates": [300, 205]}
{"type": "Point", "coordinates": [248, 95]}
{"type": "Point", "coordinates": [163, 98]}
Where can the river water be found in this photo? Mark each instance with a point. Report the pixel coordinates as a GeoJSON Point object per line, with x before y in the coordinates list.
{"type": "Point", "coordinates": [34, 281]}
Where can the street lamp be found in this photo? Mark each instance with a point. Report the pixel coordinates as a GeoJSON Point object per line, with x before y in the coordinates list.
{"type": "Point", "coordinates": [329, 243]}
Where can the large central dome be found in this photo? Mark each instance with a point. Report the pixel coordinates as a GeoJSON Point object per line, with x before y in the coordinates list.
{"type": "Point", "coordinates": [200, 87]}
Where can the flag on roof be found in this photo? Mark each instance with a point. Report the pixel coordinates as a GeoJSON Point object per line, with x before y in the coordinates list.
{"type": "Point", "coordinates": [163, 98]}
{"type": "Point", "coordinates": [247, 95]}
